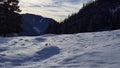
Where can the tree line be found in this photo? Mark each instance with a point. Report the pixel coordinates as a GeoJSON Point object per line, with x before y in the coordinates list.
{"type": "Point", "coordinates": [98, 15]}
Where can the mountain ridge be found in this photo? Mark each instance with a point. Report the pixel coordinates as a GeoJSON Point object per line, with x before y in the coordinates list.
{"type": "Point", "coordinates": [34, 25]}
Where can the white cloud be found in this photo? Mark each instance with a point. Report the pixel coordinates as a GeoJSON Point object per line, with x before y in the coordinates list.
{"type": "Point", "coordinates": [56, 9]}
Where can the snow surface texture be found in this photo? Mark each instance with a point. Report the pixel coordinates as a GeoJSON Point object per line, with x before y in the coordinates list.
{"type": "Point", "coordinates": [85, 50]}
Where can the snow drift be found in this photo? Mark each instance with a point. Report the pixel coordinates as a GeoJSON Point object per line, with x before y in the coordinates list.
{"type": "Point", "coordinates": [85, 50]}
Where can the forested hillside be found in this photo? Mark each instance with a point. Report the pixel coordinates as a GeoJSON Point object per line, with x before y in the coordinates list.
{"type": "Point", "coordinates": [99, 15]}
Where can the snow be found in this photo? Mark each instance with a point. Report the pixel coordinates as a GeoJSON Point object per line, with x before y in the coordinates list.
{"type": "Point", "coordinates": [36, 29]}
{"type": "Point", "coordinates": [83, 50]}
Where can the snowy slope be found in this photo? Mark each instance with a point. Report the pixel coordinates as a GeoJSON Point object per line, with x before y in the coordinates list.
{"type": "Point", "coordinates": [85, 50]}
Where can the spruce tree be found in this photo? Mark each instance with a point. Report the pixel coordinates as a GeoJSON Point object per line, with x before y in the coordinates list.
{"type": "Point", "coordinates": [10, 19]}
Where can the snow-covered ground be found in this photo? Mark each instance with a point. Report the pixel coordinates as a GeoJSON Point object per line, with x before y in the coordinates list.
{"type": "Point", "coordinates": [85, 50]}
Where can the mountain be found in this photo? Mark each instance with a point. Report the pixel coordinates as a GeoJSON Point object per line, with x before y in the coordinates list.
{"type": "Point", "coordinates": [83, 50]}
{"type": "Point", "coordinates": [98, 15]}
{"type": "Point", "coordinates": [34, 25]}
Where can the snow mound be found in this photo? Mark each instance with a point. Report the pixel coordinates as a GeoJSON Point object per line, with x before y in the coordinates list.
{"type": "Point", "coordinates": [84, 50]}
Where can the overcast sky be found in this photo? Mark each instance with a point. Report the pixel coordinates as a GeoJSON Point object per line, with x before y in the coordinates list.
{"type": "Point", "coordinates": [56, 9]}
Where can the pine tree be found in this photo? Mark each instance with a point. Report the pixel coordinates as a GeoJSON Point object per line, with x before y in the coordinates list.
{"type": "Point", "coordinates": [10, 20]}
{"type": "Point", "coordinates": [96, 15]}
{"type": "Point", "coordinates": [108, 0]}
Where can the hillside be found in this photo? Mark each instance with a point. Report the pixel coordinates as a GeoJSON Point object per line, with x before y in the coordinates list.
{"type": "Point", "coordinates": [34, 25]}
{"type": "Point", "coordinates": [85, 50]}
{"type": "Point", "coordinates": [99, 15]}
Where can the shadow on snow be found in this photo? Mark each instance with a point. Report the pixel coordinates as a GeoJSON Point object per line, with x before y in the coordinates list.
{"type": "Point", "coordinates": [39, 56]}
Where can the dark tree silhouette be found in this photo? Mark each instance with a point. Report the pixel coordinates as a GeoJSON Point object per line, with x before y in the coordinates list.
{"type": "Point", "coordinates": [98, 15]}
{"type": "Point", "coordinates": [107, 0]}
{"type": "Point", "coordinates": [10, 20]}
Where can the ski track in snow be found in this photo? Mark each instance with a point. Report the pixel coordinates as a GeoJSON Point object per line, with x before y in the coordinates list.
{"type": "Point", "coordinates": [83, 50]}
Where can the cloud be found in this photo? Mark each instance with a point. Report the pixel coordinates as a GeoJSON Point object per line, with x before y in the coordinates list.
{"type": "Point", "coordinates": [56, 9]}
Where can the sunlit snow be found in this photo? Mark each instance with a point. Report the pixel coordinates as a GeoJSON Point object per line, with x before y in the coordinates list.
{"type": "Point", "coordinates": [85, 50]}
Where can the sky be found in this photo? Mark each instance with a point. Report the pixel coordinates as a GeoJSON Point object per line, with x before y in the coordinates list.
{"type": "Point", "coordinates": [56, 9]}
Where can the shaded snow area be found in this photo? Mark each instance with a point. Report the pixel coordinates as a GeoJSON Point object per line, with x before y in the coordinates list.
{"type": "Point", "coordinates": [85, 50]}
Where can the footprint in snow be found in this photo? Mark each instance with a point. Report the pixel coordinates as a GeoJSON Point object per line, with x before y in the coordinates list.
{"type": "Point", "coordinates": [3, 49]}
{"type": "Point", "coordinates": [40, 39]}
{"type": "Point", "coordinates": [22, 44]}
